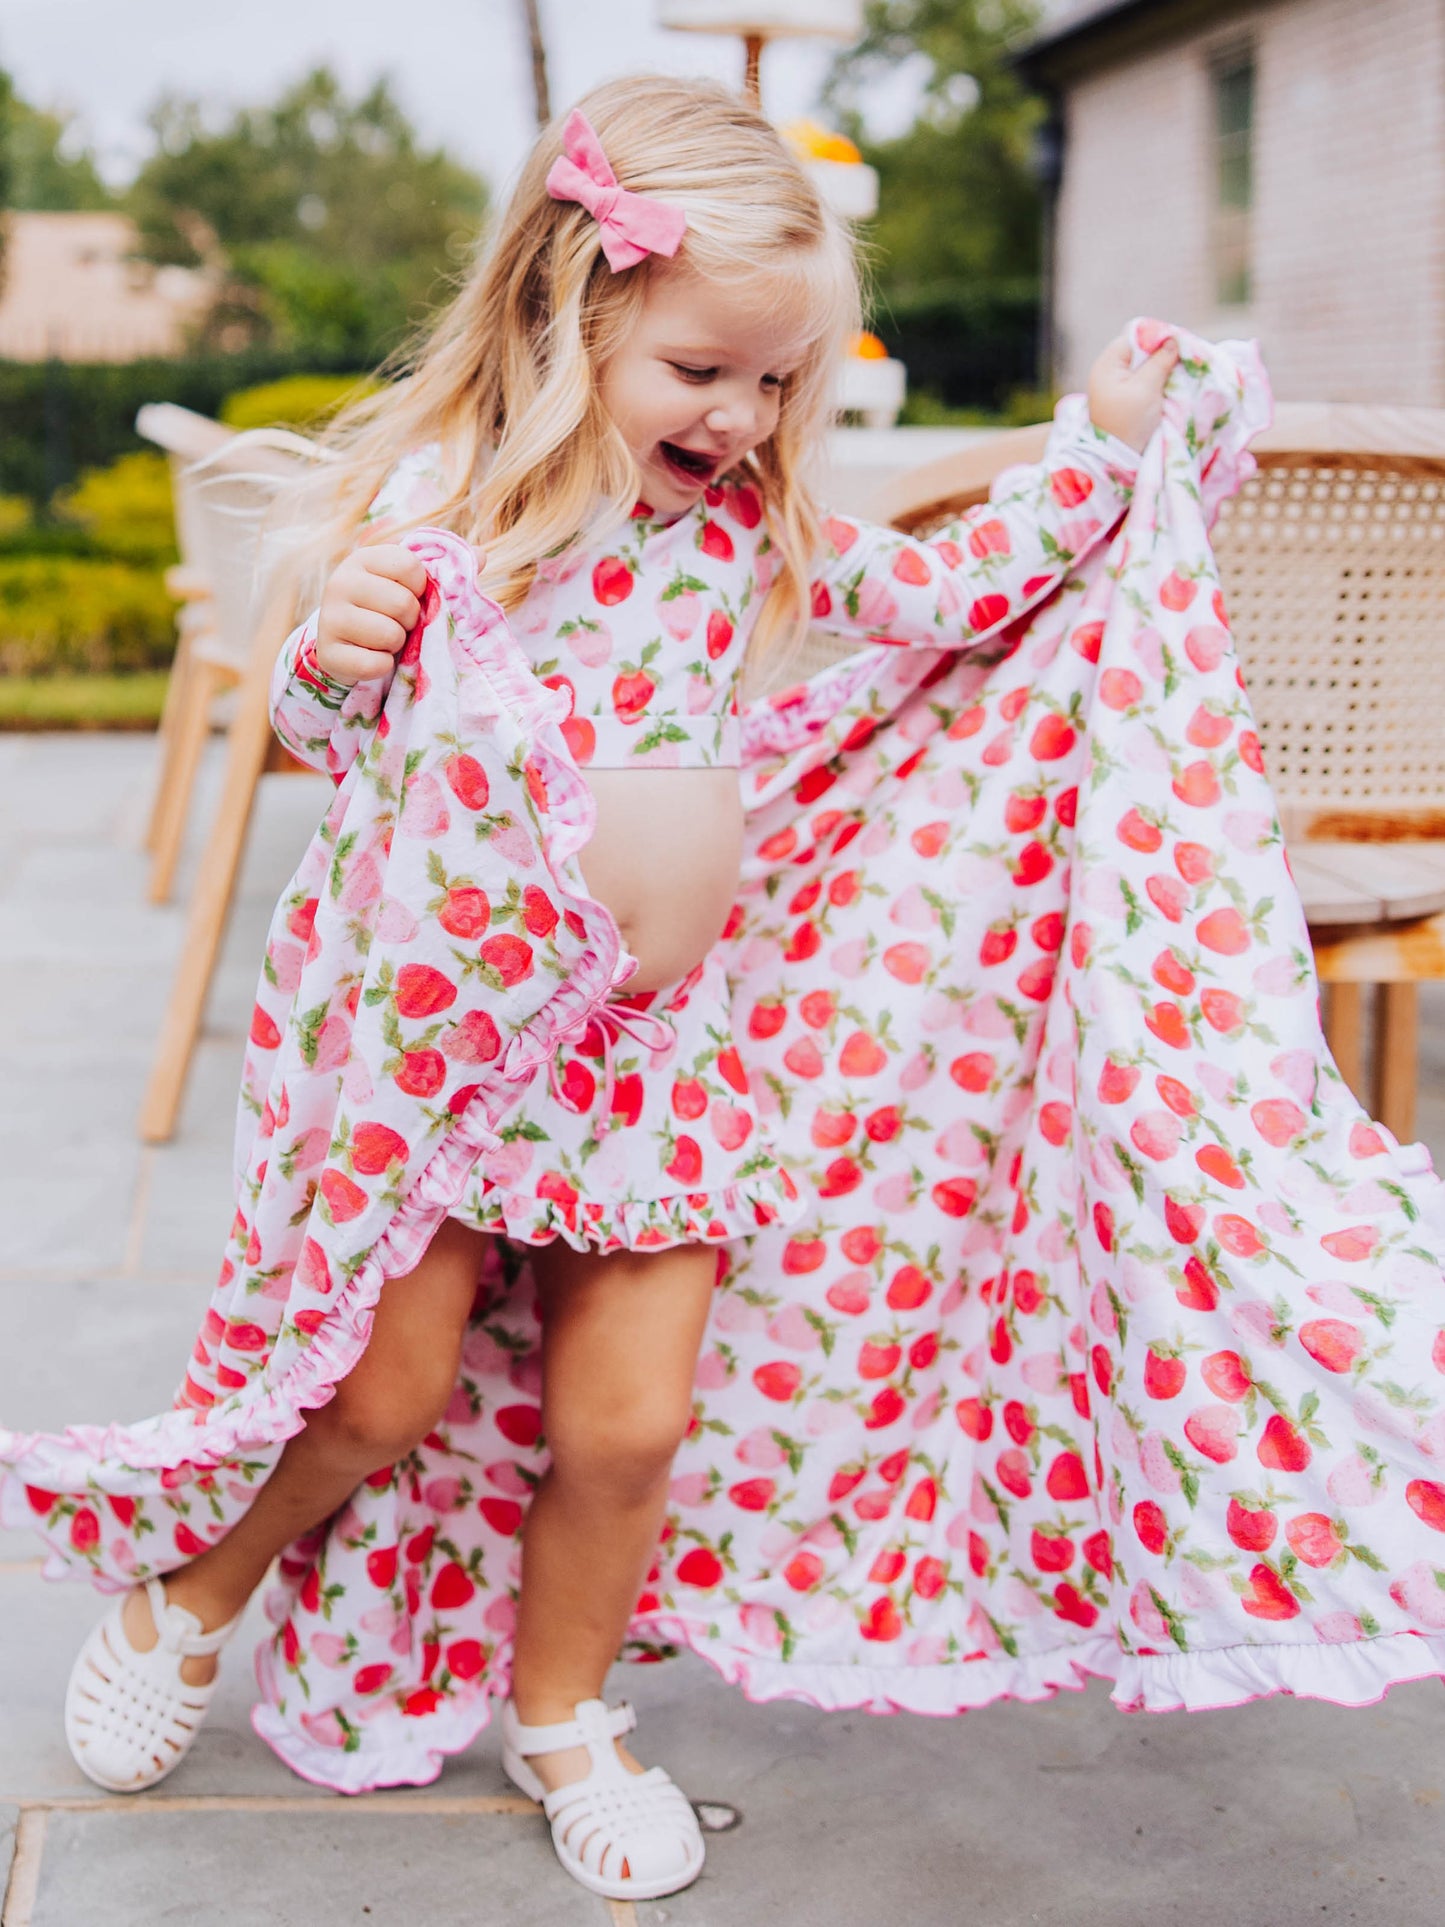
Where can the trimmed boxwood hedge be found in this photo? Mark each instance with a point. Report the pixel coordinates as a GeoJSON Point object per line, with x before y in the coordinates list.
{"type": "Point", "coordinates": [82, 613]}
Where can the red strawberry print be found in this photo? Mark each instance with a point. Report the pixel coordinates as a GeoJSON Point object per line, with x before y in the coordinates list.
{"type": "Point", "coordinates": [1164, 1374]}
{"type": "Point", "coordinates": [375, 1147]}
{"type": "Point", "coordinates": [714, 540]}
{"type": "Point", "coordinates": [988, 612]}
{"type": "Point", "coordinates": [1151, 1526]}
{"type": "Point", "coordinates": [1070, 487]}
{"type": "Point", "coordinates": [778, 1380]}
{"type": "Point", "coordinates": [467, 781]}
{"type": "Point", "coordinates": [422, 991]}
{"type": "Point", "coordinates": [1426, 1500]}
{"type": "Point", "coordinates": [381, 1567]}
{"type": "Point", "coordinates": [1034, 864]}
{"type": "Point", "coordinates": [1250, 1523]}
{"type": "Point", "coordinates": [1267, 1597]}
{"type": "Point", "coordinates": [612, 581]}
{"type": "Point", "coordinates": [719, 634]}
{"type": "Point", "coordinates": [686, 1162]}
{"type": "Point", "coordinates": [632, 691]}
{"type": "Point", "coordinates": [465, 911]}
{"type": "Point", "coordinates": [1332, 1342]}
{"type": "Point", "coordinates": [1283, 1448]}
{"type": "Point", "coordinates": [421, 1073]}
{"type": "Point", "coordinates": [510, 957]}
{"type": "Point", "coordinates": [1052, 739]}
{"type": "Point", "coordinates": [700, 1568]}
{"type": "Point", "coordinates": [882, 1621]}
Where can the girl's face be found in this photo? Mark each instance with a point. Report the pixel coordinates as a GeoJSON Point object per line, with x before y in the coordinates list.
{"type": "Point", "coordinates": [698, 384]}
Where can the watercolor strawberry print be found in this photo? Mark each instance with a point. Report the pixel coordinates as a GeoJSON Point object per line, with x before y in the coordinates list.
{"type": "Point", "coordinates": [1104, 1334]}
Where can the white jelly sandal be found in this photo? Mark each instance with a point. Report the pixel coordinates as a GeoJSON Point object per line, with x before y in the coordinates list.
{"type": "Point", "coordinates": [129, 1716]}
{"type": "Point", "coordinates": [626, 1836]}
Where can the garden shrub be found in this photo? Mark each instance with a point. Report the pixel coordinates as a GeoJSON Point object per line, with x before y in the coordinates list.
{"type": "Point", "coordinates": [125, 509]}
{"type": "Point", "coordinates": [82, 613]}
{"type": "Point", "coordinates": [298, 401]}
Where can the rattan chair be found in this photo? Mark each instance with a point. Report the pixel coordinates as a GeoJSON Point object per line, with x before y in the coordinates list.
{"type": "Point", "coordinates": [1333, 560]}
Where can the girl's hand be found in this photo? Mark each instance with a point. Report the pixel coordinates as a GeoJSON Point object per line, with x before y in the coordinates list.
{"type": "Point", "coordinates": [1129, 402]}
{"type": "Point", "coordinates": [371, 603]}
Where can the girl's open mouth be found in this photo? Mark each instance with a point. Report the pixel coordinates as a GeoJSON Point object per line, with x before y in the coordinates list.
{"type": "Point", "coordinates": [687, 464]}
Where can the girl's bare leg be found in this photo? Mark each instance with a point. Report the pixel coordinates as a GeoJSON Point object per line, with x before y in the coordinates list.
{"type": "Point", "coordinates": [393, 1396]}
{"type": "Point", "coordinates": [620, 1340]}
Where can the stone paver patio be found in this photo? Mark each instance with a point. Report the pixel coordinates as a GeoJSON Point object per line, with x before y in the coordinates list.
{"type": "Point", "coordinates": [1065, 1814]}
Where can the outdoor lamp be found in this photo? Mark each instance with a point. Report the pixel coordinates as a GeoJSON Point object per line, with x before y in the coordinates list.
{"type": "Point", "coordinates": [757, 21]}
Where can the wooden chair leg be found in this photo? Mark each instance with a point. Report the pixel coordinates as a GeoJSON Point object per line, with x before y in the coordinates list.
{"type": "Point", "coordinates": [1397, 1019]}
{"type": "Point", "coordinates": [247, 746]}
{"type": "Point", "coordinates": [166, 729]}
{"type": "Point", "coordinates": [191, 623]}
{"type": "Point", "coordinates": [1345, 1034]}
{"type": "Point", "coordinates": [188, 738]}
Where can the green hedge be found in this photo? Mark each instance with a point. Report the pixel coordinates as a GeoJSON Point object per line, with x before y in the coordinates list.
{"type": "Point", "coordinates": [972, 350]}
{"type": "Point", "coordinates": [132, 702]}
{"type": "Point", "coordinates": [82, 613]}
{"type": "Point", "coordinates": [62, 417]}
{"type": "Point", "coordinates": [297, 401]}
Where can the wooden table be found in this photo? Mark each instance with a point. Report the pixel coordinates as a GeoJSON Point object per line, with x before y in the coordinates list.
{"type": "Point", "coordinates": [1375, 916]}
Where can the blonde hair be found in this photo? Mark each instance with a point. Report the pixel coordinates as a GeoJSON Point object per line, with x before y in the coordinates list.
{"type": "Point", "coordinates": [508, 380]}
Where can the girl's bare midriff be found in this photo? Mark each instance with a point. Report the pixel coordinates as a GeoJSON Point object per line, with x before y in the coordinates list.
{"type": "Point", "coordinates": [664, 859]}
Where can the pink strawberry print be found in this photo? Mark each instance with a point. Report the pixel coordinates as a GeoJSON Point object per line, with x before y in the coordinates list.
{"type": "Point", "coordinates": [1063, 1298]}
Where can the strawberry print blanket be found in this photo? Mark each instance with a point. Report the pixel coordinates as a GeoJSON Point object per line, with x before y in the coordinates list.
{"type": "Point", "coordinates": [1112, 1337]}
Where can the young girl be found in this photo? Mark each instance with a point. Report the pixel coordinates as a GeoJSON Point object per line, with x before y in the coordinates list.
{"type": "Point", "coordinates": [1072, 1317]}
{"type": "Point", "coordinates": [616, 411]}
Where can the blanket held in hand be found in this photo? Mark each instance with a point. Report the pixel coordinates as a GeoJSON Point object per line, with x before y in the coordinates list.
{"type": "Point", "coordinates": [1112, 1340]}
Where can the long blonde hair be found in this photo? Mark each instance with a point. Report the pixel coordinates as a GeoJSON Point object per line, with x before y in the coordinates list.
{"type": "Point", "coordinates": [507, 381]}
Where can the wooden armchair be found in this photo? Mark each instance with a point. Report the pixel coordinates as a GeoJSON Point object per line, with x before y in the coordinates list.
{"type": "Point", "coordinates": [1333, 560]}
{"type": "Point", "coordinates": [224, 487]}
{"type": "Point", "coordinates": [221, 493]}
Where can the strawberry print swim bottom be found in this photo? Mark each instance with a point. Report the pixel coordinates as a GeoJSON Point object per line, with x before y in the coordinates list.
{"type": "Point", "coordinates": [646, 1134]}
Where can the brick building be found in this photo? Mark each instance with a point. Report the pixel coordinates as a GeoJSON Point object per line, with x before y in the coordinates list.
{"type": "Point", "coordinates": [75, 289]}
{"type": "Point", "coordinates": [1263, 167]}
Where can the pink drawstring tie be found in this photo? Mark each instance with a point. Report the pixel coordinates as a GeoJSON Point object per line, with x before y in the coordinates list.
{"type": "Point", "coordinates": [608, 1018]}
{"type": "Point", "coordinates": [633, 225]}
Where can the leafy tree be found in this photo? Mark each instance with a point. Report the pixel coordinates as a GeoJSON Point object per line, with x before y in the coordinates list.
{"type": "Point", "coordinates": [48, 173]}
{"type": "Point", "coordinates": [7, 108]}
{"type": "Point", "coordinates": [955, 245]}
{"type": "Point", "coordinates": [959, 204]}
{"type": "Point", "coordinates": [332, 227]}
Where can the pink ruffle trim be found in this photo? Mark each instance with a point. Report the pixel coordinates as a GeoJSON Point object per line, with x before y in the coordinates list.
{"type": "Point", "coordinates": [640, 1224]}
{"type": "Point", "coordinates": [405, 1750]}
{"type": "Point", "coordinates": [271, 1409]}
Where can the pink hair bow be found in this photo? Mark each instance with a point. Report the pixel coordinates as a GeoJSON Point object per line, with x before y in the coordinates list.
{"type": "Point", "coordinates": [633, 225]}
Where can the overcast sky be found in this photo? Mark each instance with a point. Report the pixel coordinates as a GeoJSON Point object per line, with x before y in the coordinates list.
{"type": "Point", "coordinates": [459, 66]}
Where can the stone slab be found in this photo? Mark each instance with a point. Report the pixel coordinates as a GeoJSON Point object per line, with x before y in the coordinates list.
{"type": "Point", "coordinates": [90, 1351]}
{"type": "Point", "coordinates": [85, 1351]}
{"type": "Point", "coordinates": [311, 1867]}
{"type": "Point", "coordinates": [44, 1625]}
{"type": "Point", "coordinates": [1068, 1814]}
